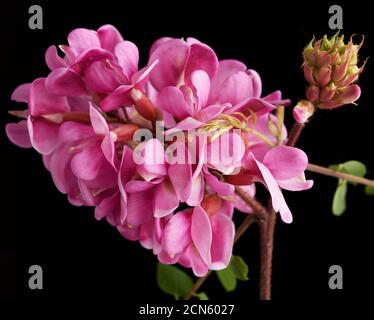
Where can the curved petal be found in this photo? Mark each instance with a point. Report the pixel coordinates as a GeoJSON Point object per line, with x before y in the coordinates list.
{"type": "Point", "coordinates": [42, 102]}
{"type": "Point", "coordinates": [18, 134]}
{"type": "Point", "coordinates": [53, 60]}
{"type": "Point", "coordinates": [172, 56]}
{"type": "Point", "coordinates": [296, 184]}
{"type": "Point", "coordinates": [22, 93]}
{"type": "Point", "coordinates": [223, 232]}
{"type": "Point", "coordinates": [82, 39]}
{"type": "Point", "coordinates": [236, 88]}
{"type": "Point", "coordinates": [109, 37]}
{"type": "Point", "coordinates": [285, 162]}
{"type": "Point", "coordinates": [226, 68]}
{"type": "Point", "coordinates": [201, 233]}
{"type": "Point", "coordinates": [86, 164]}
{"type": "Point", "coordinates": [139, 207]}
{"type": "Point", "coordinates": [171, 99]}
{"type": "Point", "coordinates": [43, 134]}
{"type": "Point", "coordinates": [201, 82]}
{"type": "Point", "coordinates": [127, 54]}
{"type": "Point", "coordinates": [65, 82]}
{"type": "Point", "coordinates": [119, 97]}
{"type": "Point", "coordinates": [221, 188]}
{"type": "Point", "coordinates": [201, 57]}
{"type": "Point", "coordinates": [100, 78]}
{"type": "Point", "coordinates": [166, 200]}
{"type": "Point", "coordinates": [98, 122]}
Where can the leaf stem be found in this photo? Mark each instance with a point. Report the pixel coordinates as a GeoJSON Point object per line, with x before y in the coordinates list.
{"type": "Point", "coordinates": [340, 175]}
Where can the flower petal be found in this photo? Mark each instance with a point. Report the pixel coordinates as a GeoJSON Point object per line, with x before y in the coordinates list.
{"type": "Point", "coordinates": [65, 82]}
{"type": "Point", "coordinates": [201, 233]}
{"type": "Point", "coordinates": [18, 134]}
{"type": "Point", "coordinates": [82, 39]}
{"type": "Point", "coordinates": [128, 57]}
{"type": "Point", "coordinates": [109, 37]}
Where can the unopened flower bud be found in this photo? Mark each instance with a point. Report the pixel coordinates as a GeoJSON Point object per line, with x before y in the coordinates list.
{"type": "Point", "coordinates": [303, 111]}
{"type": "Point", "coordinates": [143, 105]}
{"type": "Point", "coordinates": [330, 68]}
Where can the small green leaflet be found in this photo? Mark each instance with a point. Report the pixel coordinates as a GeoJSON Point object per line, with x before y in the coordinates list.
{"type": "Point", "coordinates": [236, 270]}
{"type": "Point", "coordinates": [173, 281]}
{"type": "Point", "coordinates": [352, 167]}
{"type": "Point", "coordinates": [339, 203]}
{"type": "Point", "coordinates": [201, 296]}
{"type": "Point", "coordinates": [369, 190]}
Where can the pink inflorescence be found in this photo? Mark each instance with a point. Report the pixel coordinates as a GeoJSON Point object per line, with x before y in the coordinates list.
{"type": "Point", "coordinates": [84, 116]}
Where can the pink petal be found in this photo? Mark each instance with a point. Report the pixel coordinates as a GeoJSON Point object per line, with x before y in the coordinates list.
{"type": "Point", "coordinates": [98, 122]}
{"type": "Point", "coordinates": [166, 200]}
{"type": "Point", "coordinates": [172, 57]}
{"type": "Point", "coordinates": [285, 162]}
{"type": "Point", "coordinates": [43, 134]}
{"type": "Point", "coordinates": [65, 82]}
{"type": "Point", "coordinates": [201, 82]}
{"type": "Point", "coordinates": [139, 207]}
{"type": "Point", "coordinates": [181, 178]}
{"type": "Point", "coordinates": [256, 83]}
{"type": "Point", "coordinates": [128, 57]}
{"type": "Point", "coordinates": [222, 188]}
{"type": "Point", "coordinates": [42, 102]}
{"type": "Point", "coordinates": [201, 57]}
{"type": "Point", "coordinates": [296, 184]}
{"type": "Point", "coordinates": [186, 124]}
{"type": "Point", "coordinates": [72, 131]}
{"type": "Point", "coordinates": [223, 232]}
{"type": "Point", "coordinates": [236, 88]}
{"type": "Point", "coordinates": [86, 164]}
{"type": "Point", "coordinates": [119, 97]}
{"type": "Point", "coordinates": [82, 39]}
{"type": "Point", "coordinates": [226, 68]}
{"type": "Point", "coordinates": [18, 134]}
{"type": "Point", "coordinates": [171, 99]}
{"type": "Point", "coordinates": [278, 202]}
{"type": "Point", "coordinates": [177, 233]}
{"type": "Point", "coordinates": [192, 258]}
{"type": "Point", "coordinates": [109, 37]}
{"type": "Point", "coordinates": [210, 112]}
{"type": "Point", "coordinates": [53, 60]}
{"type": "Point", "coordinates": [201, 233]}
{"type": "Point", "coordinates": [22, 93]}
{"type": "Point", "coordinates": [100, 78]}
{"type": "Point", "coordinates": [158, 43]}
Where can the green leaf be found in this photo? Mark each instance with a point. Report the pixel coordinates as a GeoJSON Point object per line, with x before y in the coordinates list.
{"type": "Point", "coordinates": [201, 296]}
{"type": "Point", "coordinates": [239, 268]}
{"type": "Point", "coordinates": [339, 202]}
{"type": "Point", "coordinates": [369, 190]}
{"type": "Point", "coordinates": [354, 167]}
{"type": "Point", "coordinates": [227, 279]}
{"type": "Point", "coordinates": [173, 281]}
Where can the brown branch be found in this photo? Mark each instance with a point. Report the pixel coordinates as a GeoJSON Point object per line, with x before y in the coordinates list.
{"type": "Point", "coordinates": [340, 175]}
{"type": "Point", "coordinates": [295, 133]}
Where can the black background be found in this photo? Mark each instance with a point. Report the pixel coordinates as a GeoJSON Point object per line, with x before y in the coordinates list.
{"type": "Point", "coordinates": [84, 258]}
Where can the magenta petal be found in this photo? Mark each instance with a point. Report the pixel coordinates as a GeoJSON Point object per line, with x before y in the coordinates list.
{"type": "Point", "coordinates": [296, 184]}
{"type": "Point", "coordinates": [192, 258]}
{"type": "Point", "coordinates": [60, 169]}
{"type": "Point", "coordinates": [186, 124]}
{"type": "Point", "coordinates": [82, 39]}
{"type": "Point", "coordinates": [100, 78]}
{"type": "Point", "coordinates": [53, 60]}
{"type": "Point", "coordinates": [201, 57]}
{"type": "Point", "coordinates": [72, 131]}
{"type": "Point", "coordinates": [256, 83]}
{"type": "Point", "coordinates": [86, 164]}
{"type": "Point", "coordinates": [177, 233]}
{"type": "Point", "coordinates": [65, 82]}
{"type": "Point", "coordinates": [128, 57]}
{"type": "Point", "coordinates": [109, 37]}
{"type": "Point", "coordinates": [139, 207]}
{"type": "Point", "coordinates": [278, 202]}
{"type": "Point", "coordinates": [236, 88]}
{"type": "Point", "coordinates": [285, 162]}
{"type": "Point", "coordinates": [18, 134]}
{"type": "Point", "coordinates": [43, 134]}
{"type": "Point", "coordinates": [171, 99]}
{"type": "Point", "coordinates": [222, 188]}
{"type": "Point", "coordinates": [201, 233]}
{"type": "Point", "coordinates": [22, 93]}
{"type": "Point", "coordinates": [223, 232]}
{"type": "Point", "coordinates": [172, 57]}
{"type": "Point", "coordinates": [42, 102]}
{"type": "Point", "coordinates": [138, 186]}
{"type": "Point", "coordinates": [98, 122]}
{"type": "Point", "coordinates": [109, 206]}
{"type": "Point", "coordinates": [201, 82]}
{"type": "Point", "coordinates": [166, 200]}
{"type": "Point", "coordinates": [210, 112]}
{"type": "Point", "coordinates": [158, 43]}
{"type": "Point", "coordinates": [117, 98]}
{"type": "Point", "coordinates": [226, 68]}
{"type": "Point", "coordinates": [181, 178]}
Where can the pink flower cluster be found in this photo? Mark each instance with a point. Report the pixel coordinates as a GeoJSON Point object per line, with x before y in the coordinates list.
{"type": "Point", "coordinates": [82, 118]}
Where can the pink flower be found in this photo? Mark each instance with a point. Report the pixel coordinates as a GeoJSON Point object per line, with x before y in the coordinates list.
{"type": "Point", "coordinates": [201, 238]}
{"type": "Point", "coordinates": [281, 167]}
